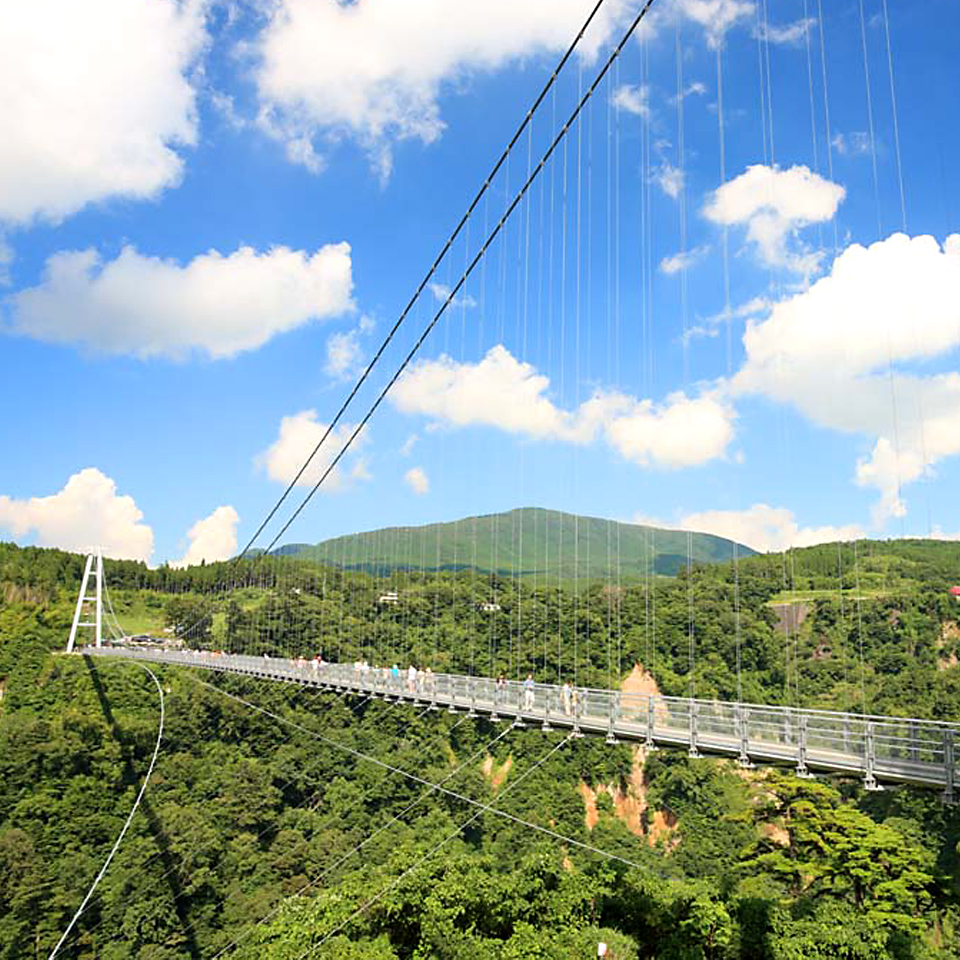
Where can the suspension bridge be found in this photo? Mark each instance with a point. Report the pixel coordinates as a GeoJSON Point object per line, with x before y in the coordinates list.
{"type": "Point", "coordinates": [553, 278]}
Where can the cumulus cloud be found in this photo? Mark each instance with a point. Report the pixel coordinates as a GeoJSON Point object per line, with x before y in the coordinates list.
{"type": "Point", "coordinates": [669, 179]}
{"type": "Point", "coordinates": [148, 307]}
{"type": "Point", "coordinates": [375, 69]}
{"type": "Point", "coordinates": [502, 392]}
{"type": "Point", "coordinates": [212, 538]}
{"type": "Point", "coordinates": [343, 354]}
{"type": "Point", "coordinates": [441, 293]}
{"type": "Point", "coordinates": [853, 144]}
{"type": "Point", "coordinates": [408, 445]}
{"type": "Point", "coordinates": [683, 261]}
{"type": "Point", "coordinates": [87, 513]}
{"type": "Point", "coordinates": [788, 34]}
{"type": "Point", "coordinates": [632, 98]}
{"type": "Point", "coordinates": [837, 351]}
{"type": "Point", "coordinates": [416, 479]}
{"type": "Point", "coordinates": [765, 528]}
{"type": "Point", "coordinates": [774, 205]}
{"type": "Point", "coordinates": [97, 99]}
{"type": "Point", "coordinates": [299, 434]}
{"type": "Point", "coordinates": [716, 16]}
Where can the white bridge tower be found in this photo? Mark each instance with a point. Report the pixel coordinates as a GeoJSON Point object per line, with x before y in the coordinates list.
{"type": "Point", "coordinates": [89, 611]}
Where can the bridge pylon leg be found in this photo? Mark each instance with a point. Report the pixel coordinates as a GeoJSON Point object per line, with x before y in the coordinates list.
{"type": "Point", "coordinates": [93, 567]}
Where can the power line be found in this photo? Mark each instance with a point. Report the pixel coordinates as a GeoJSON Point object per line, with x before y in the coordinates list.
{"type": "Point", "coordinates": [429, 274]}
{"type": "Point", "coordinates": [452, 294]}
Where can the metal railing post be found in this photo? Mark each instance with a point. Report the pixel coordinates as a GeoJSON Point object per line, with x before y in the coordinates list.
{"type": "Point", "coordinates": [949, 767]}
{"type": "Point", "coordinates": [650, 743]}
{"type": "Point", "coordinates": [870, 760]}
{"type": "Point", "coordinates": [742, 715]}
{"type": "Point", "coordinates": [802, 770]}
{"type": "Point", "coordinates": [614, 711]}
{"type": "Point", "coordinates": [693, 752]}
{"type": "Point", "coordinates": [578, 698]}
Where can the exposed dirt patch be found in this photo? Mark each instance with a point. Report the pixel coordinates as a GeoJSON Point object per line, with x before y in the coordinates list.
{"type": "Point", "coordinates": [640, 681]}
{"type": "Point", "coordinates": [822, 651]}
{"type": "Point", "coordinates": [591, 816]}
{"type": "Point", "coordinates": [775, 833]}
{"type": "Point", "coordinates": [662, 824]}
{"type": "Point", "coordinates": [15, 593]}
{"type": "Point", "coordinates": [496, 774]}
{"type": "Point", "coordinates": [949, 636]}
{"type": "Point", "coordinates": [790, 616]}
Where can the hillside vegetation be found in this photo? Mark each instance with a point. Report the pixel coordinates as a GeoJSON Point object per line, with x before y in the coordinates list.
{"type": "Point", "coordinates": [245, 809]}
{"type": "Point", "coordinates": [528, 541]}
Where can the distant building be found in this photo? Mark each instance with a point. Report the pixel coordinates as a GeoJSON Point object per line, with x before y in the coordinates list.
{"type": "Point", "coordinates": [391, 596]}
{"type": "Point", "coordinates": [955, 592]}
{"type": "Point", "coordinates": [489, 607]}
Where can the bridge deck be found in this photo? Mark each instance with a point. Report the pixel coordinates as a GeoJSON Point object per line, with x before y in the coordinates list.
{"type": "Point", "coordinates": [892, 749]}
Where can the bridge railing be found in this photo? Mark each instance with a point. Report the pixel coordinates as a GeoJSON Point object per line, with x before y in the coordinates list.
{"type": "Point", "coordinates": [891, 747]}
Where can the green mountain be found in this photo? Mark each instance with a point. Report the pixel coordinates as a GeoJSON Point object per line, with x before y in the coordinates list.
{"type": "Point", "coordinates": [529, 541]}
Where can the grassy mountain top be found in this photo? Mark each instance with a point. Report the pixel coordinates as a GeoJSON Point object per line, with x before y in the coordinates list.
{"type": "Point", "coordinates": [529, 541]}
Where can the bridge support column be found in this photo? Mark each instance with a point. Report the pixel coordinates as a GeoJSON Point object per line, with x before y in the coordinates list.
{"type": "Point", "coordinates": [742, 715]}
{"type": "Point", "coordinates": [693, 752]}
{"type": "Point", "coordinates": [614, 709]}
{"type": "Point", "coordinates": [545, 726]}
{"type": "Point", "coordinates": [93, 567]}
{"type": "Point", "coordinates": [802, 770]}
{"type": "Point", "coordinates": [870, 761]}
{"type": "Point", "coordinates": [650, 743]}
{"type": "Point", "coordinates": [578, 701]}
{"type": "Point", "coordinates": [949, 767]}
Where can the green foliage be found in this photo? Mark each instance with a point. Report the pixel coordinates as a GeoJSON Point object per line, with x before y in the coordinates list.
{"type": "Point", "coordinates": [244, 814]}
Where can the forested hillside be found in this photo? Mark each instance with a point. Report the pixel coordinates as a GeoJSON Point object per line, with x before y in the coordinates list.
{"type": "Point", "coordinates": [246, 809]}
{"type": "Point", "coordinates": [529, 541]}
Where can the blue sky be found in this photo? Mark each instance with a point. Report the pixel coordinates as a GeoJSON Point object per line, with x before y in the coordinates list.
{"type": "Point", "coordinates": [211, 213]}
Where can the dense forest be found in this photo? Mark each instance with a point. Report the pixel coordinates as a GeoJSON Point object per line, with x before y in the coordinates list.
{"type": "Point", "coordinates": [291, 833]}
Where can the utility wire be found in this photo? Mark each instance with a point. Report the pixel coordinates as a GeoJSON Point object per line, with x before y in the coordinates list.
{"type": "Point", "coordinates": [426, 279]}
{"type": "Point", "coordinates": [427, 783]}
{"type": "Point", "coordinates": [126, 826]}
{"type": "Point", "coordinates": [451, 296]}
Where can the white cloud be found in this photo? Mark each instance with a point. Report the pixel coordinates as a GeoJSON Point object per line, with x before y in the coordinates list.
{"type": "Point", "coordinates": [501, 392]}
{"type": "Point", "coordinates": [696, 88]}
{"type": "Point", "coordinates": [343, 354]}
{"type": "Point", "coordinates": [6, 258]}
{"type": "Point", "coordinates": [149, 307]}
{"type": "Point", "coordinates": [441, 293]}
{"type": "Point", "coordinates": [683, 261]}
{"type": "Point", "coordinates": [788, 35]}
{"type": "Point", "coordinates": [375, 69]}
{"type": "Point", "coordinates": [96, 99]}
{"type": "Point", "coordinates": [836, 353]}
{"type": "Point", "coordinates": [774, 204]}
{"type": "Point", "coordinates": [408, 445]}
{"type": "Point", "coordinates": [716, 16]}
{"type": "Point", "coordinates": [633, 99]}
{"type": "Point", "coordinates": [765, 528]}
{"type": "Point", "coordinates": [853, 144]}
{"type": "Point", "coordinates": [299, 435]}
{"type": "Point", "coordinates": [669, 179]}
{"type": "Point", "coordinates": [87, 513]}
{"type": "Point", "coordinates": [417, 480]}
{"type": "Point", "coordinates": [212, 538]}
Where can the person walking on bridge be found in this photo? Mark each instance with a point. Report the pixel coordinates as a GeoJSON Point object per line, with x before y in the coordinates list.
{"type": "Point", "coordinates": [528, 692]}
